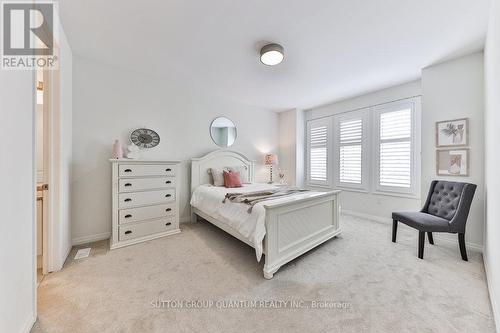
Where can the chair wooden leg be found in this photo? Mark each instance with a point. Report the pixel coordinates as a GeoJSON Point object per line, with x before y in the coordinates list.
{"type": "Point", "coordinates": [461, 243]}
{"type": "Point", "coordinates": [394, 230]}
{"type": "Point", "coordinates": [421, 242]}
{"type": "Point", "coordinates": [431, 239]}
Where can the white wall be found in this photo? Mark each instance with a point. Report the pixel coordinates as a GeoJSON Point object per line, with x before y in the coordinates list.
{"type": "Point", "coordinates": [291, 146]}
{"type": "Point", "coordinates": [372, 205]}
{"type": "Point", "coordinates": [17, 236]}
{"type": "Point", "coordinates": [492, 183]}
{"type": "Point", "coordinates": [110, 102]}
{"type": "Point", "coordinates": [451, 90]}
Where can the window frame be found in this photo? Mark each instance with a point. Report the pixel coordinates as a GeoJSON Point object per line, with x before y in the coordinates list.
{"type": "Point", "coordinates": [414, 190]}
{"type": "Point", "coordinates": [364, 115]}
{"type": "Point", "coordinates": [329, 173]}
{"type": "Point", "coordinates": [372, 168]}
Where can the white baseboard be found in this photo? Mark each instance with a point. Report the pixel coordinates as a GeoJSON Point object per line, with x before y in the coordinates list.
{"type": "Point", "coordinates": [470, 246]}
{"type": "Point", "coordinates": [367, 216]}
{"type": "Point", "coordinates": [90, 238]}
{"type": "Point", "coordinates": [489, 281]}
{"type": "Point", "coordinates": [68, 250]}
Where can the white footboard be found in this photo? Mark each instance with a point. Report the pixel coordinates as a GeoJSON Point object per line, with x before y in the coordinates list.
{"type": "Point", "coordinates": [297, 226]}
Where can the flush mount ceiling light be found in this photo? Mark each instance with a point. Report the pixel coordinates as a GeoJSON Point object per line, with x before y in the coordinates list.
{"type": "Point", "coordinates": [271, 54]}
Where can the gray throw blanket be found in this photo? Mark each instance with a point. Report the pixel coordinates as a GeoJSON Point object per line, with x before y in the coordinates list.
{"type": "Point", "coordinates": [252, 198]}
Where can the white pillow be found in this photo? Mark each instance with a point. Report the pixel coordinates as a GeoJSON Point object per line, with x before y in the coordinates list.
{"type": "Point", "coordinates": [243, 170]}
{"type": "Point", "coordinates": [217, 176]}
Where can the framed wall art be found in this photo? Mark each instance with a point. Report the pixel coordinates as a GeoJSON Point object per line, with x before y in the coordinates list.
{"type": "Point", "coordinates": [452, 162]}
{"type": "Point", "coordinates": [452, 133]}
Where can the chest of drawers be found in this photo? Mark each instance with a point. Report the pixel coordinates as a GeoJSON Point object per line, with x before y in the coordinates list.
{"type": "Point", "coordinates": [145, 200]}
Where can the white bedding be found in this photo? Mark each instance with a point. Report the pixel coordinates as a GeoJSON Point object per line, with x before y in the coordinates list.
{"type": "Point", "coordinates": [252, 227]}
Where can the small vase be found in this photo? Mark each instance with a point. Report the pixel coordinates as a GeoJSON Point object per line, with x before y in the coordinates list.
{"type": "Point", "coordinates": [117, 150]}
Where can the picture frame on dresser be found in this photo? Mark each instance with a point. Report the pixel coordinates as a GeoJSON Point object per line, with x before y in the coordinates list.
{"type": "Point", "coordinates": [145, 203]}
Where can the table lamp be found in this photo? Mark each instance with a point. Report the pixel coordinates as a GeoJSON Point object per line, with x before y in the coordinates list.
{"type": "Point", "coordinates": [271, 160]}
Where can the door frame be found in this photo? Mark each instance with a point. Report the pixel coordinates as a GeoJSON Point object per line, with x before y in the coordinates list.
{"type": "Point", "coordinates": [53, 241]}
{"type": "Point", "coordinates": [48, 138]}
{"type": "Point", "coordinates": [52, 173]}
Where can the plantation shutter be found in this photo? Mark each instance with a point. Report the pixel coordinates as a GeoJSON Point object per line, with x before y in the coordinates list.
{"type": "Point", "coordinates": [350, 151]}
{"type": "Point", "coordinates": [395, 148]}
{"type": "Point", "coordinates": [318, 152]}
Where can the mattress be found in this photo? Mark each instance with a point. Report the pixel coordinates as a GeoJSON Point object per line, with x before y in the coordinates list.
{"type": "Point", "coordinates": [251, 226]}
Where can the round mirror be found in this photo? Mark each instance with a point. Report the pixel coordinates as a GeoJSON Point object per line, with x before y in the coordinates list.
{"type": "Point", "coordinates": [223, 132]}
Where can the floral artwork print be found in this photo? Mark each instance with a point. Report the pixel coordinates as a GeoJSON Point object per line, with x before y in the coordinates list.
{"type": "Point", "coordinates": [455, 131]}
{"type": "Point", "coordinates": [452, 133]}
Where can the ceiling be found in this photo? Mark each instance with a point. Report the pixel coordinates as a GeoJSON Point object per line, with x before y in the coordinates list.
{"type": "Point", "coordinates": [334, 49]}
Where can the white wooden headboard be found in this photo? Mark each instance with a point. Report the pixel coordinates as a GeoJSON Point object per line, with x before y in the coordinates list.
{"type": "Point", "coordinates": [218, 159]}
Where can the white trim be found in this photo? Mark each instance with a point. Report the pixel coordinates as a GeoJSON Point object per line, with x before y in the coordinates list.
{"type": "Point", "coordinates": [34, 290]}
{"type": "Point", "coordinates": [375, 218]}
{"type": "Point", "coordinates": [494, 305]}
{"type": "Point", "coordinates": [39, 176]}
{"type": "Point", "coordinates": [347, 189]}
{"type": "Point", "coordinates": [68, 251]}
{"type": "Point", "coordinates": [415, 105]}
{"type": "Point", "coordinates": [473, 247]}
{"type": "Point", "coordinates": [364, 116]}
{"type": "Point", "coordinates": [371, 156]}
{"type": "Point", "coordinates": [328, 122]}
{"type": "Point", "coordinates": [53, 203]}
{"type": "Point", "coordinates": [321, 187]}
{"type": "Point", "coordinates": [90, 238]}
{"type": "Point", "coordinates": [415, 196]}
{"type": "Point", "coordinates": [29, 324]}
{"type": "Point", "coordinates": [51, 173]}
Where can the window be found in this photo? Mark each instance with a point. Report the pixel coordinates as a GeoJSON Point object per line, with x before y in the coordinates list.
{"type": "Point", "coordinates": [396, 148]}
{"type": "Point", "coordinates": [351, 151]}
{"type": "Point", "coordinates": [351, 134]}
{"type": "Point", "coordinates": [375, 149]}
{"type": "Point", "coordinates": [318, 156]}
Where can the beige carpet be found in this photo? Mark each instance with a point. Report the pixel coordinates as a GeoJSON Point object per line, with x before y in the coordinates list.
{"type": "Point", "coordinates": [370, 284]}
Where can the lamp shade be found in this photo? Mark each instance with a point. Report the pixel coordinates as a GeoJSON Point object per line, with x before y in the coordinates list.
{"type": "Point", "coordinates": [272, 54]}
{"type": "Point", "coordinates": [271, 159]}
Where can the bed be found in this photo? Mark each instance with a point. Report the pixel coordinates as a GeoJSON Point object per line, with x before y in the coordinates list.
{"type": "Point", "coordinates": [280, 229]}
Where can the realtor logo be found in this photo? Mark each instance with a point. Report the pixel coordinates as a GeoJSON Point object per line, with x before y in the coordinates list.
{"type": "Point", "coordinates": [28, 35]}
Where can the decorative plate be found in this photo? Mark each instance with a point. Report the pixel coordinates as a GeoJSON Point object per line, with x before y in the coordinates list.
{"type": "Point", "coordinates": [145, 138]}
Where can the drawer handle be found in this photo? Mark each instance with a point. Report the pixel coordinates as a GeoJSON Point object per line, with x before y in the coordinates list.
{"type": "Point", "coordinates": [128, 200]}
{"type": "Point", "coordinates": [168, 223]}
{"type": "Point", "coordinates": [168, 195]}
{"type": "Point", "coordinates": [128, 170]}
{"type": "Point", "coordinates": [128, 232]}
{"type": "Point", "coordinates": [168, 209]}
{"type": "Point", "coordinates": [168, 170]}
{"type": "Point", "coordinates": [168, 182]}
{"type": "Point", "coordinates": [128, 216]}
{"type": "Point", "coordinates": [128, 184]}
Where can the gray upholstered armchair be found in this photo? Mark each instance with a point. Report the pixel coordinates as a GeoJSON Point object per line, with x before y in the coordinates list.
{"type": "Point", "coordinates": [446, 210]}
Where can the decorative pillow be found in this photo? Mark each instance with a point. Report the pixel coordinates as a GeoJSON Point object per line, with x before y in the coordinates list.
{"type": "Point", "coordinates": [217, 176]}
{"type": "Point", "coordinates": [243, 173]}
{"type": "Point", "coordinates": [232, 179]}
